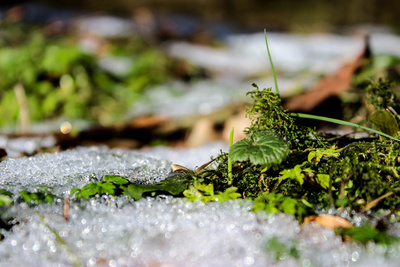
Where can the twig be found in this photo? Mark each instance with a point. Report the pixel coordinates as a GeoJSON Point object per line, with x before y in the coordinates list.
{"type": "Point", "coordinates": [374, 202]}
{"type": "Point", "coordinates": [66, 208]}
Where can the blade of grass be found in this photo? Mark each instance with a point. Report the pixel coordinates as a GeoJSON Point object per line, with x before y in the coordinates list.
{"type": "Point", "coordinates": [61, 241]}
{"type": "Point", "coordinates": [270, 62]}
{"type": "Point", "coordinates": [229, 158]}
{"type": "Point", "coordinates": [321, 118]}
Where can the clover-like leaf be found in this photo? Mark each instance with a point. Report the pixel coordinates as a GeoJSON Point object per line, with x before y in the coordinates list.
{"type": "Point", "coordinates": [260, 148]}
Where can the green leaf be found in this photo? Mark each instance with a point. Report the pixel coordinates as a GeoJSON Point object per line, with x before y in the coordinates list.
{"type": "Point", "coordinates": [318, 153]}
{"type": "Point", "coordinates": [90, 190]}
{"type": "Point", "coordinates": [37, 197]}
{"type": "Point", "coordinates": [175, 186]}
{"type": "Point", "coordinates": [229, 193]}
{"type": "Point", "coordinates": [207, 189]}
{"type": "Point", "coordinates": [366, 233]}
{"type": "Point", "coordinates": [205, 193]}
{"type": "Point", "coordinates": [385, 122]}
{"type": "Point", "coordinates": [280, 249]}
{"type": "Point", "coordinates": [323, 180]}
{"type": "Point", "coordinates": [192, 194]}
{"type": "Point", "coordinates": [115, 179]}
{"type": "Point", "coordinates": [260, 148]}
{"type": "Point", "coordinates": [274, 203]}
{"type": "Point", "coordinates": [5, 200]}
{"type": "Point", "coordinates": [107, 188]}
{"type": "Point", "coordinates": [289, 205]}
{"type": "Point", "coordinates": [295, 173]}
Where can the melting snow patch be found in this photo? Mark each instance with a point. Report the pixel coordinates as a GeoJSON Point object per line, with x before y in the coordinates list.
{"type": "Point", "coordinates": [161, 231]}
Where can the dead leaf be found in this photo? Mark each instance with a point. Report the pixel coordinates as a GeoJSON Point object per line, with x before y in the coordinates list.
{"type": "Point", "coordinates": [329, 221]}
{"type": "Point", "coordinates": [180, 169]}
{"type": "Point", "coordinates": [240, 122]}
{"type": "Point", "coordinates": [203, 132]}
{"type": "Point", "coordinates": [332, 85]}
{"type": "Point", "coordinates": [148, 121]}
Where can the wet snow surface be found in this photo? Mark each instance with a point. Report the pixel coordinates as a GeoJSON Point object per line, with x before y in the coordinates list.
{"type": "Point", "coordinates": [299, 60]}
{"type": "Point", "coordinates": [161, 231]}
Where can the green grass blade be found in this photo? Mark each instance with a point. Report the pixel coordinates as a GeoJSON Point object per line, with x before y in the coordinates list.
{"type": "Point", "coordinates": [270, 62]}
{"type": "Point", "coordinates": [229, 158]}
{"type": "Point", "coordinates": [321, 118]}
{"type": "Point", "coordinates": [61, 241]}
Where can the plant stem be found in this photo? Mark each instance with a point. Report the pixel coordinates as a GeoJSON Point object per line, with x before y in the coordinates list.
{"type": "Point", "coordinates": [22, 101]}
{"type": "Point", "coordinates": [270, 62]}
{"type": "Point", "coordinates": [321, 118]}
{"type": "Point", "coordinates": [60, 241]}
{"type": "Point", "coordinates": [229, 158]}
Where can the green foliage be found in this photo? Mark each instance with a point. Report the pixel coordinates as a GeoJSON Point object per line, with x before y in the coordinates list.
{"type": "Point", "coordinates": [274, 203]}
{"type": "Point", "coordinates": [367, 233]}
{"type": "Point", "coordinates": [261, 148]}
{"type": "Point", "coordinates": [268, 114]}
{"type": "Point", "coordinates": [60, 80]}
{"type": "Point", "coordinates": [315, 174]}
{"type": "Point", "coordinates": [379, 93]}
{"type": "Point", "coordinates": [281, 250]}
{"type": "Point", "coordinates": [205, 193]}
{"type": "Point", "coordinates": [296, 173]}
{"type": "Point", "coordinates": [38, 197]}
{"type": "Point", "coordinates": [229, 158]}
{"type": "Point", "coordinates": [367, 171]}
{"type": "Point", "coordinates": [175, 186]}
{"type": "Point", "coordinates": [116, 185]}
{"type": "Point", "coordinates": [5, 198]}
{"type": "Point", "coordinates": [317, 154]}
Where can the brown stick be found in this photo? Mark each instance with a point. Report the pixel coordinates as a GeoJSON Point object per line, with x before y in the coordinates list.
{"type": "Point", "coordinates": [66, 208]}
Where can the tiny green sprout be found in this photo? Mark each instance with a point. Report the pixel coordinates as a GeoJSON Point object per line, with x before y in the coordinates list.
{"type": "Point", "coordinates": [205, 193]}
{"type": "Point", "coordinates": [318, 153]}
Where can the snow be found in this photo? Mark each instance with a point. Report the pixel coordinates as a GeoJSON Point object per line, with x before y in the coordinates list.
{"type": "Point", "coordinates": [160, 231]}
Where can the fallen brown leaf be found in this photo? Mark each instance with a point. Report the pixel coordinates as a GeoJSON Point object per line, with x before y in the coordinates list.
{"type": "Point", "coordinates": [240, 122]}
{"type": "Point", "coordinates": [148, 121]}
{"type": "Point", "coordinates": [332, 85]}
{"type": "Point", "coordinates": [203, 132]}
{"type": "Point", "coordinates": [329, 221]}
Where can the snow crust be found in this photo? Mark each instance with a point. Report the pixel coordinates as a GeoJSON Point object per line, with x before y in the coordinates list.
{"type": "Point", "coordinates": [161, 231]}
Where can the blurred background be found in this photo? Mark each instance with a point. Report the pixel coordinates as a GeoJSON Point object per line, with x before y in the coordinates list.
{"type": "Point", "coordinates": [174, 72]}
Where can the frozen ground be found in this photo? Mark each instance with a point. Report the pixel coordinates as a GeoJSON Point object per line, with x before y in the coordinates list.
{"type": "Point", "coordinates": [162, 231]}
